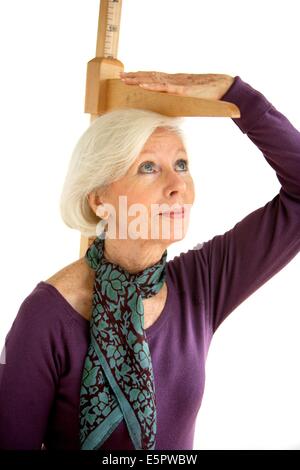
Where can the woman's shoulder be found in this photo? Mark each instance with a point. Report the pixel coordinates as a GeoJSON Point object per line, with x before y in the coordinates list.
{"type": "Point", "coordinates": [74, 284]}
{"type": "Point", "coordinates": [47, 327]}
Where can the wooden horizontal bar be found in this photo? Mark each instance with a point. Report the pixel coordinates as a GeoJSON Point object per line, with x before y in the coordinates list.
{"type": "Point", "coordinates": [121, 95]}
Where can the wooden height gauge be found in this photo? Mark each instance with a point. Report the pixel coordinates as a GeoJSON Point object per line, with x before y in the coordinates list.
{"type": "Point", "coordinates": [109, 28]}
{"type": "Point", "coordinates": [105, 91]}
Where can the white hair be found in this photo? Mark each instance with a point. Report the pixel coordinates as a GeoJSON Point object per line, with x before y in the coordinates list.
{"type": "Point", "coordinates": [103, 154]}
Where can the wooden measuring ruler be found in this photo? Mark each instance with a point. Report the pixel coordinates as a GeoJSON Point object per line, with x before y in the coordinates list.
{"type": "Point", "coordinates": [103, 67]}
{"type": "Point", "coordinates": [105, 91]}
{"type": "Point", "coordinates": [109, 28]}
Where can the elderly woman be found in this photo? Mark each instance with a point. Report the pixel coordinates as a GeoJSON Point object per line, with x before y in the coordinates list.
{"type": "Point", "coordinates": [109, 352]}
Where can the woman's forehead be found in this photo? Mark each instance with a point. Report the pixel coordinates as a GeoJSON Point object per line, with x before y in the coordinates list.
{"type": "Point", "coordinates": [160, 138]}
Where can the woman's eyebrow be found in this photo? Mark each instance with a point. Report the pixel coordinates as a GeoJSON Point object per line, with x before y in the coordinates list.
{"type": "Point", "coordinates": [181, 150]}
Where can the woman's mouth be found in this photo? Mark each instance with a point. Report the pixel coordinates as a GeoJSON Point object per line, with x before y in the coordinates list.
{"type": "Point", "coordinates": [174, 214]}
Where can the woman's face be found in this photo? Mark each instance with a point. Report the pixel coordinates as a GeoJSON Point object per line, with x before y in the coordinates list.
{"type": "Point", "coordinates": [158, 181]}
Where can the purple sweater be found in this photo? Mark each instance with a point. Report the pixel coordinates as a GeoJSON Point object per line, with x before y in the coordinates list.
{"type": "Point", "coordinates": [48, 340]}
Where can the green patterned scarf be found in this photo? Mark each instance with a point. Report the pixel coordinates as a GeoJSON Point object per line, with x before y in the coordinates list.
{"type": "Point", "coordinates": [117, 381]}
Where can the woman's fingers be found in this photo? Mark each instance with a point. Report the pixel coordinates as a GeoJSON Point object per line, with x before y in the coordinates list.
{"type": "Point", "coordinates": [164, 87]}
{"type": "Point", "coordinates": [155, 81]}
{"type": "Point", "coordinates": [208, 85]}
{"type": "Point", "coordinates": [131, 80]}
{"type": "Point", "coordinates": [167, 87]}
{"type": "Point", "coordinates": [143, 77]}
{"type": "Point", "coordinates": [140, 73]}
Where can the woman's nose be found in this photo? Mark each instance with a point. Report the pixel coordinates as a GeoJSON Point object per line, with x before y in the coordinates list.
{"type": "Point", "coordinates": [175, 183]}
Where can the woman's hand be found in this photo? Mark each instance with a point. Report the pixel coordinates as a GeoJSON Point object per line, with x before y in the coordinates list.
{"type": "Point", "coordinates": [209, 86]}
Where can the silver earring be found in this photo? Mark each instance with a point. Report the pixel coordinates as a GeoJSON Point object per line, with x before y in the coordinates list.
{"type": "Point", "coordinates": [102, 212]}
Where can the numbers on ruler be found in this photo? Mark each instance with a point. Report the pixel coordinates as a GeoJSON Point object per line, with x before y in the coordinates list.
{"type": "Point", "coordinates": [112, 27]}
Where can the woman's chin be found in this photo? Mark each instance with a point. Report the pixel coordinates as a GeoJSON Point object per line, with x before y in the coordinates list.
{"type": "Point", "coordinates": [174, 231]}
{"type": "Point", "coordinates": [174, 235]}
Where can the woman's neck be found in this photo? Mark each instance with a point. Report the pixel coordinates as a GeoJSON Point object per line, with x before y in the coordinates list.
{"type": "Point", "coordinates": [133, 255]}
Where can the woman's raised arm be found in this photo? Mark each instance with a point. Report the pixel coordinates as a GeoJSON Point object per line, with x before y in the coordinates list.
{"type": "Point", "coordinates": [230, 267]}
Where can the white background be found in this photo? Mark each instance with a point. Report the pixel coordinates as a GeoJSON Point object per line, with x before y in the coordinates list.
{"type": "Point", "coordinates": [251, 399]}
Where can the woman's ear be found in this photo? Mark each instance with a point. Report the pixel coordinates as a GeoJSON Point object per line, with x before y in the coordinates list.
{"type": "Point", "coordinates": [97, 205]}
{"type": "Point", "coordinates": [94, 200]}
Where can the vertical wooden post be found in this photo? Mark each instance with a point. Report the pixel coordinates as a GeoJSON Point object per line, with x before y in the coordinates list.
{"type": "Point", "coordinates": [104, 66]}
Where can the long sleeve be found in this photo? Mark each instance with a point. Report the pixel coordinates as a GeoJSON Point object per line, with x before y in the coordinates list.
{"type": "Point", "coordinates": [242, 259]}
{"type": "Point", "coordinates": [28, 378]}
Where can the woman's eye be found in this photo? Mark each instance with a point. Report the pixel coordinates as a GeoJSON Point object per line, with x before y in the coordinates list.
{"type": "Point", "coordinates": [146, 165]}
{"type": "Point", "coordinates": [185, 164]}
